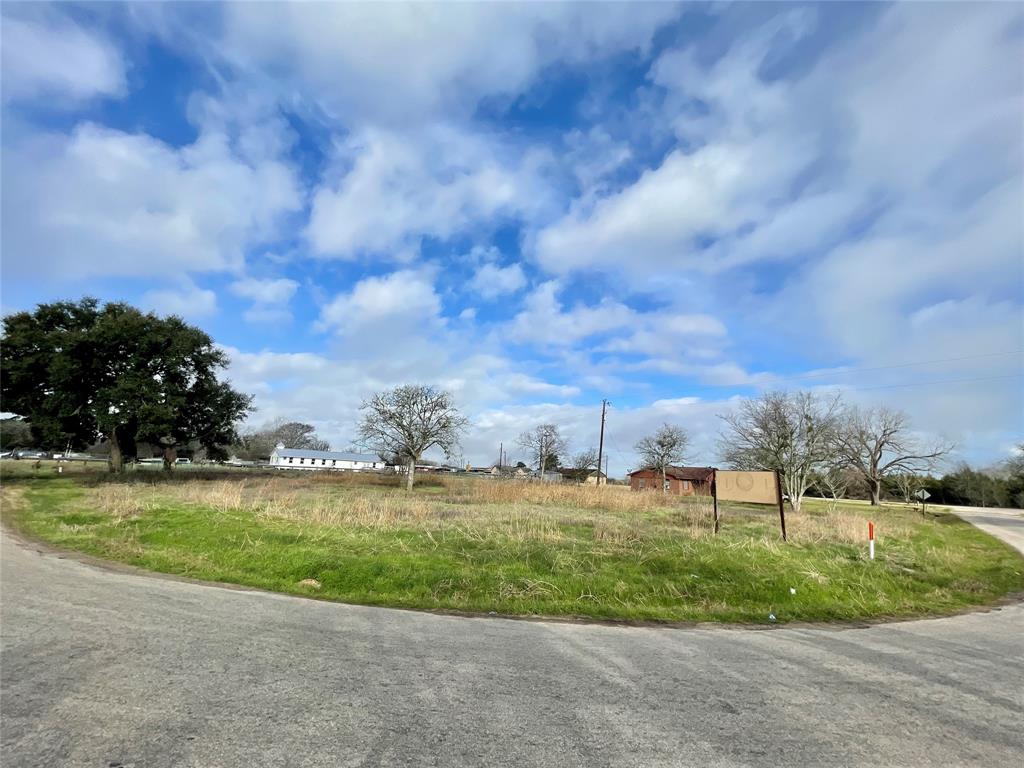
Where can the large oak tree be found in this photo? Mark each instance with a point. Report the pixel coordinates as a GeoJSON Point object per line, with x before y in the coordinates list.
{"type": "Point", "coordinates": [79, 372]}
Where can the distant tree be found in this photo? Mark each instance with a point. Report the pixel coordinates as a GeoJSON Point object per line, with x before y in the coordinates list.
{"type": "Point", "coordinates": [1014, 467]}
{"type": "Point", "coordinates": [584, 460]}
{"type": "Point", "coordinates": [976, 488]}
{"type": "Point", "coordinates": [544, 444]}
{"type": "Point", "coordinates": [833, 482]}
{"type": "Point", "coordinates": [908, 484]}
{"type": "Point", "coordinates": [258, 444]}
{"type": "Point", "coordinates": [79, 371]}
{"type": "Point", "coordinates": [877, 443]}
{"type": "Point", "coordinates": [583, 463]}
{"type": "Point", "coordinates": [665, 447]}
{"type": "Point", "coordinates": [15, 433]}
{"type": "Point", "coordinates": [793, 433]}
{"type": "Point", "coordinates": [296, 434]}
{"type": "Point", "coordinates": [408, 421]}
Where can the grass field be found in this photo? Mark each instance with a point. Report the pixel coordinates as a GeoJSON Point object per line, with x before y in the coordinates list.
{"type": "Point", "coordinates": [513, 548]}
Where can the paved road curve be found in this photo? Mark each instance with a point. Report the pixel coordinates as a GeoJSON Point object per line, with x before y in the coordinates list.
{"type": "Point", "coordinates": [105, 668]}
{"type": "Point", "coordinates": [1006, 524]}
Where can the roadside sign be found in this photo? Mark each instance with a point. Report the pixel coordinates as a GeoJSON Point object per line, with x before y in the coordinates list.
{"type": "Point", "coordinates": [923, 495]}
{"type": "Point", "coordinates": [749, 487]}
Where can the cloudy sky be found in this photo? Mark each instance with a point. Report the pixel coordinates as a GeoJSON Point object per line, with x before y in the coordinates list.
{"type": "Point", "coordinates": [540, 206]}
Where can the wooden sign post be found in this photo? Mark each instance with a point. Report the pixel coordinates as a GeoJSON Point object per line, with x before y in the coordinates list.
{"type": "Point", "coordinates": [782, 508]}
{"type": "Point", "coordinates": [714, 498]}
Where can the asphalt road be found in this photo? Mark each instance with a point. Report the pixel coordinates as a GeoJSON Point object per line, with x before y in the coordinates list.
{"type": "Point", "coordinates": [1006, 524]}
{"type": "Point", "coordinates": [106, 668]}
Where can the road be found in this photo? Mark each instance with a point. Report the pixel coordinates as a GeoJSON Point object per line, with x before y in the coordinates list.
{"type": "Point", "coordinates": [1006, 524]}
{"type": "Point", "coordinates": [102, 667]}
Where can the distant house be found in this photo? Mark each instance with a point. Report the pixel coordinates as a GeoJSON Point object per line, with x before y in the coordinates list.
{"type": "Point", "coordinates": [300, 458]}
{"type": "Point", "coordinates": [681, 481]}
{"type": "Point", "coordinates": [582, 476]}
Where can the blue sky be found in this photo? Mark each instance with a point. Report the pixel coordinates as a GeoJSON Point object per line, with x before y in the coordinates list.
{"type": "Point", "coordinates": [539, 206]}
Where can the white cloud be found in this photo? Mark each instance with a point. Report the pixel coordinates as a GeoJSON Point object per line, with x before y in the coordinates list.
{"type": "Point", "coordinates": [543, 319]}
{"type": "Point", "coordinates": [400, 189]}
{"type": "Point", "coordinates": [189, 302]}
{"type": "Point", "coordinates": [663, 334]}
{"type": "Point", "coordinates": [48, 56]}
{"type": "Point", "coordinates": [780, 169]}
{"type": "Point", "coordinates": [393, 63]}
{"type": "Point", "coordinates": [104, 202]}
{"type": "Point", "coordinates": [656, 220]}
{"type": "Point", "coordinates": [269, 291]}
{"type": "Point", "coordinates": [396, 305]}
{"type": "Point", "coordinates": [491, 281]}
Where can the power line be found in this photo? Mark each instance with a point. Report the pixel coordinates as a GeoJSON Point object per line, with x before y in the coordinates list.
{"type": "Point", "coordinates": [828, 374]}
{"type": "Point", "coordinates": [939, 381]}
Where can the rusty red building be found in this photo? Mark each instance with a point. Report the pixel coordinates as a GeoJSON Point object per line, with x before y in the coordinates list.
{"type": "Point", "coordinates": [681, 481]}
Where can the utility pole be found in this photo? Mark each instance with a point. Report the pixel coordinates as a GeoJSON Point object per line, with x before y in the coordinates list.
{"type": "Point", "coordinates": [501, 456]}
{"type": "Point", "coordinates": [600, 445]}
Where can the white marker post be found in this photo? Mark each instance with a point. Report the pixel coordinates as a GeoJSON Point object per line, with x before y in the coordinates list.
{"type": "Point", "coordinates": [871, 540]}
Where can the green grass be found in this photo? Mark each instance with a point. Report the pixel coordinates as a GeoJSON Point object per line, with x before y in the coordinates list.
{"type": "Point", "coordinates": [478, 546]}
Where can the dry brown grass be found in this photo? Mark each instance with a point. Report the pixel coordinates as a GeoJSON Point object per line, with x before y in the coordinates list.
{"type": "Point", "coordinates": [11, 498]}
{"type": "Point", "coordinates": [516, 510]}
{"type": "Point", "coordinates": [569, 496]}
{"type": "Point", "coordinates": [122, 502]}
{"type": "Point", "coordinates": [838, 526]}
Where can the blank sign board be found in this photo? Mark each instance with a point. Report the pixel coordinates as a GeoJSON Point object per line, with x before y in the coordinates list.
{"type": "Point", "coordinates": [751, 487]}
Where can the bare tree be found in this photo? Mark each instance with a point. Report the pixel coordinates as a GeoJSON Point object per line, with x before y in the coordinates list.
{"type": "Point", "coordinates": [408, 421]}
{"type": "Point", "coordinates": [793, 433]}
{"type": "Point", "coordinates": [666, 446]}
{"type": "Point", "coordinates": [833, 482]}
{"type": "Point", "coordinates": [542, 442]}
{"type": "Point", "coordinates": [877, 444]}
{"type": "Point", "coordinates": [907, 482]}
{"type": "Point", "coordinates": [583, 462]}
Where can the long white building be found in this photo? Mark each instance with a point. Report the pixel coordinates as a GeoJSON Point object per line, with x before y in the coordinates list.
{"type": "Point", "coordinates": [300, 458]}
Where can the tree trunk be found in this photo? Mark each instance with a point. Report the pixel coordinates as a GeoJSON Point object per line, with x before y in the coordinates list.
{"type": "Point", "coordinates": [410, 475]}
{"type": "Point", "coordinates": [875, 487]}
{"type": "Point", "coordinates": [116, 458]}
{"type": "Point", "coordinates": [664, 479]}
{"type": "Point", "coordinates": [795, 496]}
{"type": "Point", "coordinates": [170, 456]}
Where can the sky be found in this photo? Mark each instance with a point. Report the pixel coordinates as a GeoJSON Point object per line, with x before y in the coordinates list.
{"type": "Point", "coordinates": [541, 206]}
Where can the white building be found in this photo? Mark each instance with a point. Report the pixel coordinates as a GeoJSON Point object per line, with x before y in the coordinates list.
{"type": "Point", "coordinates": [299, 458]}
